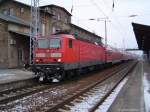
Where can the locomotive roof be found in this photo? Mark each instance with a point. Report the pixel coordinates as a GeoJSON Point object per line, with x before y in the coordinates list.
{"type": "Point", "coordinates": [58, 36]}
{"type": "Point", "coordinates": [63, 35]}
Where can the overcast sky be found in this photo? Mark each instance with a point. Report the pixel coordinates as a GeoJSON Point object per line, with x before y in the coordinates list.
{"type": "Point", "coordinates": [119, 29]}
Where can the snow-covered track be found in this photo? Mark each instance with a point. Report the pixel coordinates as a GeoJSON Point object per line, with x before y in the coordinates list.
{"type": "Point", "coordinates": [88, 99]}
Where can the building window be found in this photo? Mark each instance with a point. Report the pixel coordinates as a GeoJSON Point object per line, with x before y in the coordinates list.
{"type": "Point", "coordinates": [58, 30]}
{"type": "Point", "coordinates": [53, 30]}
{"type": "Point", "coordinates": [43, 29]}
{"type": "Point", "coordinates": [54, 15]}
{"type": "Point", "coordinates": [46, 8]}
{"type": "Point", "coordinates": [11, 11]}
{"type": "Point", "coordinates": [22, 10]}
{"type": "Point", "coordinates": [5, 11]}
{"type": "Point", "coordinates": [66, 20]}
{"type": "Point", "coordinates": [58, 16]}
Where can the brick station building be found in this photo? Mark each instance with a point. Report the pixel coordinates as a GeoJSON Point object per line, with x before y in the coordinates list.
{"type": "Point", "coordinates": [15, 28]}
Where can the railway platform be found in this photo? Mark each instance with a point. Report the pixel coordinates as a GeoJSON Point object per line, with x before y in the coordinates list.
{"type": "Point", "coordinates": [13, 75]}
{"type": "Point", "coordinates": [135, 95]}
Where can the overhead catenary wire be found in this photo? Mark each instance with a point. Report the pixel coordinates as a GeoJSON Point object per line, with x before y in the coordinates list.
{"type": "Point", "coordinates": [99, 8]}
{"type": "Point", "coordinates": [95, 4]}
{"type": "Point", "coordinates": [85, 26]}
{"type": "Point", "coordinates": [122, 32]}
{"type": "Point", "coordinates": [116, 20]}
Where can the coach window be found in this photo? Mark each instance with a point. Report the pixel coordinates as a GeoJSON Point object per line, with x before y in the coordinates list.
{"type": "Point", "coordinates": [70, 43]}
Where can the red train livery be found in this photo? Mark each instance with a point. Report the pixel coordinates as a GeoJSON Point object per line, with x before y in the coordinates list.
{"type": "Point", "coordinates": [63, 53]}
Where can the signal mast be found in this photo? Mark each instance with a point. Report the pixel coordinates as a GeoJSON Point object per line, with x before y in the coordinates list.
{"type": "Point", "coordinates": [34, 27]}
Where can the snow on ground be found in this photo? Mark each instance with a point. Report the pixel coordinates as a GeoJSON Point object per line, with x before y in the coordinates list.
{"type": "Point", "coordinates": [91, 100]}
{"type": "Point", "coordinates": [10, 75]}
{"type": "Point", "coordinates": [146, 92]}
{"type": "Point", "coordinates": [6, 74]}
{"type": "Point", "coordinates": [108, 102]}
{"type": "Point", "coordinates": [88, 102]}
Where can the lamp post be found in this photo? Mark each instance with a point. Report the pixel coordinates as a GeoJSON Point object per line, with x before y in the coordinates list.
{"type": "Point", "coordinates": [105, 23]}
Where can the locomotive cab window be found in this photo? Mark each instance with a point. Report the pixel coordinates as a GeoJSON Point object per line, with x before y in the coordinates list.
{"type": "Point", "coordinates": [70, 43]}
{"type": "Point", "coordinates": [55, 43]}
{"type": "Point", "coordinates": [43, 43]}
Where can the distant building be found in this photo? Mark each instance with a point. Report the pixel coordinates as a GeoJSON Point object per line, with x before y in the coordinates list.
{"type": "Point", "coordinates": [14, 33]}
{"type": "Point", "coordinates": [84, 34]}
{"type": "Point", "coordinates": [15, 28]}
{"type": "Point", "coordinates": [59, 20]}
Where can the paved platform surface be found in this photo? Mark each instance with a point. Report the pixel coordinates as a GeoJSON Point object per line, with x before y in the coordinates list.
{"type": "Point", "coordinates": [146, 83]}
{"type": "Point", "coordinates": [11, 75]}
{"type": "Point", "coordinates": [131, 97]}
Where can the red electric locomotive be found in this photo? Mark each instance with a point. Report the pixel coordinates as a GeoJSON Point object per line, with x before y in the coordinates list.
{"type": "Point", "coordinates": [59, 53]}
{"type": "Point", "coordinates": [62, 54]}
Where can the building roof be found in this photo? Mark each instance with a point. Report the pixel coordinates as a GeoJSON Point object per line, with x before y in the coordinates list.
{"type": "Point", "coordinates": [56, 6]}
{"type": "Point", "coordinates": [14, 19]}
{"type": "Point", "coordinates": [20, 33]}
{"type": "Point", "coordinates": [85, 30]}
{"type": "Point", "coordinates": [50, 5]}
{"type": "Point", "coordinates": [15, 2]}
{"type": "Point", "coordinates": [142, 33]}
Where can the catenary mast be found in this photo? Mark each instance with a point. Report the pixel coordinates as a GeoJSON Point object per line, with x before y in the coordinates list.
{"type": "Point", "coordinates": [34, 27]}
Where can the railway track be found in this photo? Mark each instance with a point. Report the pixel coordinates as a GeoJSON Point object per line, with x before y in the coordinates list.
{"type": "Point", "coordinates": [16, 93]}
{"type": "Point", "coordinates": [49, 102]}
{"type": "Point", "coordinates": [90, 98]}
{"type": "Point", "coordinates": [13, 91]}
{"type": "Point", "coordinates": [17, 84]}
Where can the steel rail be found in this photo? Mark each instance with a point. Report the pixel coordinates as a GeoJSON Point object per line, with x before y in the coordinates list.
{"type": "Point", "coordinates": [9, 91]}
{"type": "Point", "coordinates": [80, 92]}
{"type": "Point", "coordinates": [111, 90]}
{"type": "Point", "coordinates": [15, 94]}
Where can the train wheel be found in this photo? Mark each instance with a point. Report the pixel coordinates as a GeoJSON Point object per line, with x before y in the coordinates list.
{"type": "Point", "coordinates": [78, 72]}
{"type": "Point", "coordinates": [41, 77]}
{"type": "Point", "coordinates": [59, 76]}
{"type": "Point", "coordinates": [70, 74]}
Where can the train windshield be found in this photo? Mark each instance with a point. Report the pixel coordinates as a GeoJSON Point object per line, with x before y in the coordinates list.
{"type": "Point", "coordinates": [55, 43]}
{"type": "Point", "coordinates": [43, 43]}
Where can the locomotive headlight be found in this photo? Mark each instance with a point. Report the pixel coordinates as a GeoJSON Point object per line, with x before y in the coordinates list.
{"type": "Point", "coordinates": [59, 60]}
{"type": "Point", "coordinates": [42, 55]}
{"type": "Point", "coordinates": [56, 55]}
{"type": "Point", "coordinates": [37, 60]}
